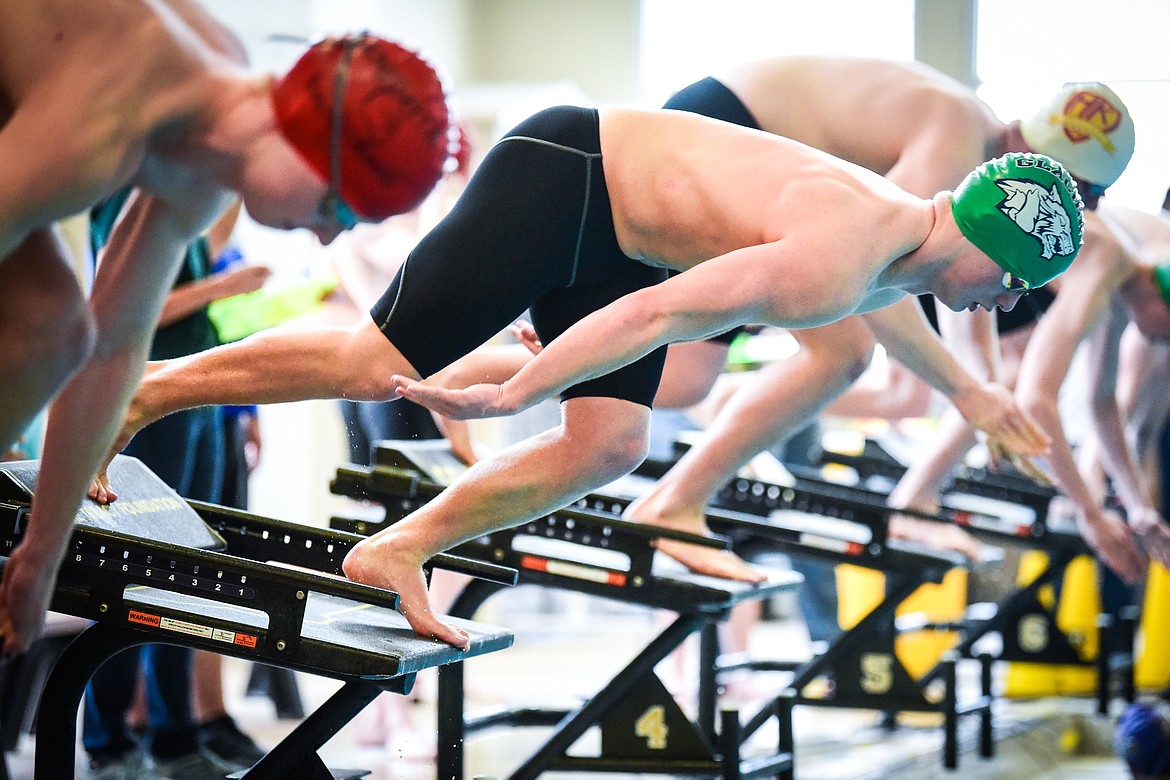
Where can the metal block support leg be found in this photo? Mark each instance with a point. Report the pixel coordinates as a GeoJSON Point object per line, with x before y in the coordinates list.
{"type": "Point", "coordinates": [575, 724]}
{"type": "Point", "coordinates": [729, 743]}
{"type": "Point", "coordinates": [986, 731]}
{"type": "Point", "coordinates": [57, 717]}
{"type": "Point", "coordinates": [708, 682]}
{"type": "Point", "coordinates": [451, 726]}
{"type": "Point", "coordinates": [950, 715]}
{"type": "Point", "coordinates": [784, 703]}
{"type": "Point", "coordinates": [1104, 653]}
{"type": "Point", "coordinates": [297, 753]}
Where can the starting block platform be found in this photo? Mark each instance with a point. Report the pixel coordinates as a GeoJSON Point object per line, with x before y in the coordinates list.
{"type": "Point", "coordinates": [643, 729]}
{"type": "Point", "coordinates": [155, 568]}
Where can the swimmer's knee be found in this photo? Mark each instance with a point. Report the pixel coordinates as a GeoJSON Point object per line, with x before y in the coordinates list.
{"type": "Point", "coordinates": [855, 359]}
{"type": "Point", "coordinates": [852, 360]}
{"type": "Point", "coordinates": [613, 458]}
{"type": "Point", "coordinates": [367, 383]}
{"type": "Point", "coordinates": [367, 361]}
{"type": "Point", "coordinates": [611, 446]}
{"type": "Point", "coordinates": [625, 452]}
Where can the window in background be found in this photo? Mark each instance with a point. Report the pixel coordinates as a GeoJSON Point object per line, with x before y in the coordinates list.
{"type": "Point", "coordinates": [685, 40]}
{"type": "Point", "coordinates": [1025, 51]}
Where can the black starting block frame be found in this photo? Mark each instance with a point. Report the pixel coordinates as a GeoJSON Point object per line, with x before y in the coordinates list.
{"type": "Point", "coordinates": [633, 709]}
{"type": "Point", "coordinates": [1028, 627]}
{"type": "Point", "coordinates": [862, 663]}
{"type": "Point", "coordinates": [245, 602]}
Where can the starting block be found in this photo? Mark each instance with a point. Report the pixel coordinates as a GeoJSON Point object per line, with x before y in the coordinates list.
{"type": "Point", "coordinates": [642, 727]}
{"type": "Point", "coordinates": [829, 522]}
{"type": "Point", "coordinates": [155, 568]}
{"type": "Point", "coordinates": [1039, 637]}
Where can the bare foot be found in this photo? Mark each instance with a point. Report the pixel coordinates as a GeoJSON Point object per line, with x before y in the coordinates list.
{"type": "Point", "coordinates": [375, 562]}
{"type": "Point", "coordinates": [939, 536]}
{"type": "Point", "coordinates": [100, 490]}
{"type": "Point", "coordinates": [710, 561]}
{"type": "Point", "coordinates": [701, 560]}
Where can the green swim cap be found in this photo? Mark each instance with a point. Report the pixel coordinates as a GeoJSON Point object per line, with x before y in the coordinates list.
{"type": "Point", "coordinates": [1024, 212]}
{"type": "Point", "coordinates": [1162, 279]}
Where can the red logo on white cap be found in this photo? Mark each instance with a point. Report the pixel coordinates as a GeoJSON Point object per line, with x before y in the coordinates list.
{"type": "Point", "coordinates": [1089, 115]}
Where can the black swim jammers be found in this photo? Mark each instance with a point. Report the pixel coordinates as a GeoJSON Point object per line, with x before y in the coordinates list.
{"type": "Point", "coordinates": [533, 230]}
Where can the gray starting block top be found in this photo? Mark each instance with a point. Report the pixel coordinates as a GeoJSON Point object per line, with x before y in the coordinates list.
{"type": "Point", "coordinates": [216, 598]}
{"type": "Point", "coordinates": [146, 507]}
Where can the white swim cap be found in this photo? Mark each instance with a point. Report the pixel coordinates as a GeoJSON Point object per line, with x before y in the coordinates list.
{"type": "Point", "coordinates": [1086, 128]}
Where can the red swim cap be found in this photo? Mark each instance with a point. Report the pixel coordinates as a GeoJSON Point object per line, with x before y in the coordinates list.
{"type": "Point", "coordinates": [391, 134]}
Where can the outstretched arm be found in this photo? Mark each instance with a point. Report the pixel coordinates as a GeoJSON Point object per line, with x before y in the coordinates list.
{"type": "Point", "coordinates": [974, 340]}
{"type": "Point", "coordinates": [1117, 455]}
{"type": "Point", "coordinates": [948, 145]}
{"type": "Point", "coordinates": [776, 402]}
{"type": "Point", "coordinates": [129, 289]}
{"type": "Point", "coordinates": [907, 335]}
{"type": "Point", "coordinates": [490, 363]}
{"type": "Point", "coordinates": [679, 309]}
{"type": "Point", "coordinates": [186, 299]}
{"type": "Point", "coordinates": [1143, 376]}
{"type": "Point", "coordinates": [1084, 297]}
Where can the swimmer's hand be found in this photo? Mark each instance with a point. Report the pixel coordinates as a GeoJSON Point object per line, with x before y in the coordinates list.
{"type": "Point", "coordinates": [1113, 541]}
{"type": "Point", "coordinates": [1152, 531]}
{"type": "Point", "coordinates": [25, 592]}
{"type": "Point", "coordinates": [523, 332]}
{"type": "Point", "coordinates": [992, 409]}
{"type": "Point", "coordinates": [1032, 468]}
{"type": "Point", "coordinates": [100, 489]}
{"type": "Point", "coordinates": [476, 401]}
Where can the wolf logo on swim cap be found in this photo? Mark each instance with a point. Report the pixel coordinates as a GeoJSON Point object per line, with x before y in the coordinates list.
{"type": "Point", "coordinates": [1087, 128]}
{"type": "Point", "coordinates": [1024, 212]}
{"type": "Point", "coordinates": [370, 117]}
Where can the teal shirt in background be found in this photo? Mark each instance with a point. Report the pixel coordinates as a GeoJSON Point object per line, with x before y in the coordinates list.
{"type": "Point", "coordinates": [189, 335]}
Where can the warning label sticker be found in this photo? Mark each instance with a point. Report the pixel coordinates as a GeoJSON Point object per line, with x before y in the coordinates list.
{"type": "Point", "coordinates": [183, 627]}
{"type": "Point", "coordinates": [143, 618]}
{"type": "Point", "coordinates": [192, 629]}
